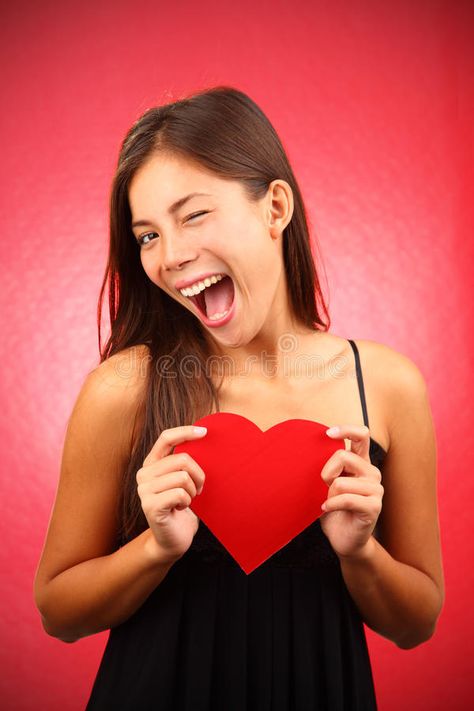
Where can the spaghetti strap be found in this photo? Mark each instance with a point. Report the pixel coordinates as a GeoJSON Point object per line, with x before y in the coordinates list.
{"type": "Point", "coordinates": [360, 382]}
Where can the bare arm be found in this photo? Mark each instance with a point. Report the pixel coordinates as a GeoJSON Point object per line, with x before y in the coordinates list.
{"type": "Point", "coordinates": [82, 585]}
{"type": "Point", "coordinates": [398, 583]}
{"type": "Point", "coordinates": [396, 600]}
{"type": "Point", "coordinates": [103, 592]}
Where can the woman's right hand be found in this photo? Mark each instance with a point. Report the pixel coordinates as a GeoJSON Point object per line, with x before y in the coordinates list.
{"type": "Point", "coordinates": [167, 484]}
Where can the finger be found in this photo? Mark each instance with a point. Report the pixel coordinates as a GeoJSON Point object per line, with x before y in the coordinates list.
{"type": "Point", "coordinates": [180, 478]}
{"type": "Point", "coordinates": [343, 463]}
{"type": "Point", "coordinates": [170, 438]}
{"type": "Point", "coordinates": [354, 502]}
{"type": "Point", "coordinates": [358, 436]}
{"type": "Point", "coordinates": [169, 499]}
{"type": "Point", "coordinates": [182, 461]}
{"type": "Point", "coordinates": [354, 485]}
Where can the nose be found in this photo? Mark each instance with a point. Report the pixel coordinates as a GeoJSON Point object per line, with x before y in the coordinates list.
{"type": "Point", "coordinates": [177, 253]}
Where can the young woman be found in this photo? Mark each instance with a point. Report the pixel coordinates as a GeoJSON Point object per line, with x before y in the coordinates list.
{"type": "Point", "coordinates": [210, 263]}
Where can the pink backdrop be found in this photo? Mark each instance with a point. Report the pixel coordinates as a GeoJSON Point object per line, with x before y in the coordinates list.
{"type": "Point", "coordinates": [374, 103]}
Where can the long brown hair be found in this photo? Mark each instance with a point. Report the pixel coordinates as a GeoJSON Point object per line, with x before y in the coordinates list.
{"type": "Point", "coordinates": [223, 130]}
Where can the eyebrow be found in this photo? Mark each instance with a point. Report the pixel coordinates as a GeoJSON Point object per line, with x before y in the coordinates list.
{"type": "Point", "coordinates": [172, 209]}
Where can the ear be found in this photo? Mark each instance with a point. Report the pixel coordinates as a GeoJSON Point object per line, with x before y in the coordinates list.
{"type": "Point", "coordinates": [280, 207]}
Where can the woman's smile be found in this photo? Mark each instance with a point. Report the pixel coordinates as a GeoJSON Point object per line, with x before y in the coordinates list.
{"type": "Point", "coordinates": [215, 303]}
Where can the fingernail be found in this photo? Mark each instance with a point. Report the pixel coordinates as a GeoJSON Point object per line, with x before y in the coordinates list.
{"type": "Point", "coordinates": [200, 430]}
{"type": "Point", "coordinates": [333, 431]}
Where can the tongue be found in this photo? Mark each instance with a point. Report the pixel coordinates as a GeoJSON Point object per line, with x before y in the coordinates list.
{"type": "Point", "coordinates": [218, 297]}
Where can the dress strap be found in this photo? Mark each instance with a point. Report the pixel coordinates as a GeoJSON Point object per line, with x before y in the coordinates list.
{"type": "Point", "coordinates": [360, 382]}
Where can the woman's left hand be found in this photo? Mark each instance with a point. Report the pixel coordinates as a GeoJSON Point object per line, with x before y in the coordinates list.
{"type": "Point", "coordinates": [355, 494]}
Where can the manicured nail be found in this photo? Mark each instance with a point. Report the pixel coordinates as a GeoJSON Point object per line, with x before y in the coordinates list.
{"type": "Point", "coordinates": [200, 430]}
{"type": "Point", "coordinates": [333, 431]}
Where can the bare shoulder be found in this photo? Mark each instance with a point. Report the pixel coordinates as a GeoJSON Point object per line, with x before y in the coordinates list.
{"type": "Point", "coordinates": [387, 361]}
{"type": "Point", "coordinates": [109, 401]}
{"type": "Point", "coordinates": [123, 374]}
{"type": "Point", "coordinates": [113, 392]}
{"type": "Point", "coordinates": [399, 382]}
{"type": "Point", "coordinates": [379, 359]}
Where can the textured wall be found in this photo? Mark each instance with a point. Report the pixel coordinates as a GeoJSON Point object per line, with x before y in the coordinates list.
{"type": "Point", "coordinates": [374, 103]}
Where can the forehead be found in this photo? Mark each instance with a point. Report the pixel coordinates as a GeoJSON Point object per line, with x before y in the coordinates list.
{"type": "Point", "coordinates": [163, 180]}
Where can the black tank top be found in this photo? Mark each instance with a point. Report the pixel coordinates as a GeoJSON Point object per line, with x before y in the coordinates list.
{"type": "Point", "coordinates": [286, 637]}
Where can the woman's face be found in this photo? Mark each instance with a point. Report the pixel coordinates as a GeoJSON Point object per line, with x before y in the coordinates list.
{"type": "Point", "coordinates": [219, 232]}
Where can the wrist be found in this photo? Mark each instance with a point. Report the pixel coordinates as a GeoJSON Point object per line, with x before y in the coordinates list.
{"type": "Point", "coordinates": [364, 555]}
{"type": "Point", "coordinates": [157, 556]}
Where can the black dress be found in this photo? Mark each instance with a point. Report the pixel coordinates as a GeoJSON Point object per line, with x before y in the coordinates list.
{"type": "Point", "coordinates": [286, 637]}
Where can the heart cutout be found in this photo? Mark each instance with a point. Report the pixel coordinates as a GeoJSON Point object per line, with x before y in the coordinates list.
{"type": "Point", "coordinates": [262, 488]}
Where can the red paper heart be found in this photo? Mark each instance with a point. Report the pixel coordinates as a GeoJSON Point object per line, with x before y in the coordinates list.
{"type": "Point", "coordinates": [262, 488]}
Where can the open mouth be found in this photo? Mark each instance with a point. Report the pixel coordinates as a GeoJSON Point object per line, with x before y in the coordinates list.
{"type": "Point", "coordinates": [215, 301]}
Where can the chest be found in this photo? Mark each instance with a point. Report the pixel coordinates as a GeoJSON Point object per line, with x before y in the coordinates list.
{"type": "Point", "coordinates": [329, 401]}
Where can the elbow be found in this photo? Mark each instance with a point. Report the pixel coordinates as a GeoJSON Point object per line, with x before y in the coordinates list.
{"type": "Point", "coordinates": [64, 636]}
{"type": "Point", "coordinates": [410, 642]}
{"type": "Point", "coordinates": [51, 629]}
{"type": "Point", "coordinates": [414, 639]}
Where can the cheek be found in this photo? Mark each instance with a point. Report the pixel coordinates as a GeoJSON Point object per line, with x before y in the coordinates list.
{"type": "Point", "coordinates": [145, 262]}
{"type": "Point", "coordinates": [242, 243]}
{"type": "Point", "coordinates": [150, 266]}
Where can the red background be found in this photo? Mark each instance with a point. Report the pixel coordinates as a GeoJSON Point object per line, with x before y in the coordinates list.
{"type": "Point", "coordinates": [374, 103]}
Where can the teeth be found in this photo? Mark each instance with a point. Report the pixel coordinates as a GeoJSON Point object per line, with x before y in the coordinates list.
{"type": "Point", "coordinates": [216, 317]}
{"type": "Point", "coordinates": [201, 285]}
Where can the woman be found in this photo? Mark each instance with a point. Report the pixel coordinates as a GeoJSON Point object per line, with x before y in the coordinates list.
{"type": "Point", "coordinates": [203, 187]}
